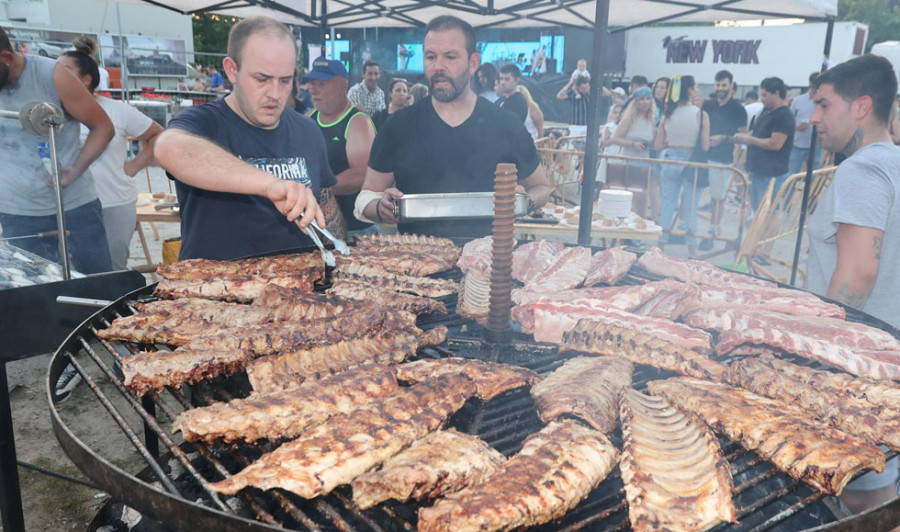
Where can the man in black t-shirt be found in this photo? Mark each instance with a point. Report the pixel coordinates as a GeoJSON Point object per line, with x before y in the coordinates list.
{"type": "Point", "coordinates": [247, 172]}
{"type": "Point", "coordinates": [449, 142]}
{"type": "Point", "coordinates": [511, 99]}
{"type": "Point", "coordinates": [769, 147]}
{"type": "Point", "coordinates": [726, 118]}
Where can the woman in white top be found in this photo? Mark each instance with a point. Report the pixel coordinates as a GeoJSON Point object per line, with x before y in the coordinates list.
{"type": "Point", "coordinates": [635, 135]}
{"type": "Point", "coordinates": [534, 120]}
{"type": "Point", "coordinates": [113, 175]}
{"type": "Point", "coordinates": [681, 125]}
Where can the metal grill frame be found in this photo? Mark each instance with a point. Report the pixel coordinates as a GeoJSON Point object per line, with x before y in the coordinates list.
{"type": "Point", "coordinates": [605, 506]}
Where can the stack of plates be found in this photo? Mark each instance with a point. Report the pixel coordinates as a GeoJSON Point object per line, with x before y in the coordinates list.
{"type": "Point", "coordinates": [615, 203]}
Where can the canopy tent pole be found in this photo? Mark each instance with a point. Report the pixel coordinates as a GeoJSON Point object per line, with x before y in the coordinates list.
{"type": "Point", "coordinates": [123, 71]}
{"type": "Point", "coordinates": [810, 161]}
{"type": "Point", "coordinates": [589, 168]}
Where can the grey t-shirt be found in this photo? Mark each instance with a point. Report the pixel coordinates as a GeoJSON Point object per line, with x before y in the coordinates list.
{"type": "Point", "coordinates": [865, 192]}
{"type": "Point", "coordinates": [803, 108]}
{"type": "Point", "coordinates": [22, 187]}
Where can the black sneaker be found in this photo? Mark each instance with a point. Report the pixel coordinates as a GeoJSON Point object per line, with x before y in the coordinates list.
{"type": "Point", "coordinates": [68, 380]}
{"type": "Point", "coordinates": [706, 244]}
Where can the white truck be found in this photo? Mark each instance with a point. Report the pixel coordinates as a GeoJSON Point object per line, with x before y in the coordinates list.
{"type": "Point", "coordinates": [890, 50]}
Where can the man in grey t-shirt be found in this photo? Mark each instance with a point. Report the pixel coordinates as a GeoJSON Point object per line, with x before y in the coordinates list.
{"type": "Point", "coordinates": [854, 248]}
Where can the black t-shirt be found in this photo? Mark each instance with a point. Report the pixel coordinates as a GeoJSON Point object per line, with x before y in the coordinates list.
{"type": "Point", "coordinates": [515, 104]}
{"type": "Point", "coordinates": [223, 226]}
{"type": "Point", "coordinates": [724, 120]}
{"type": "Point", "coordinates": [768, 163]}
{"type": "Point", "coordinates": [427, 156]}
{"type": "Point", "coordinates": [578, 108]}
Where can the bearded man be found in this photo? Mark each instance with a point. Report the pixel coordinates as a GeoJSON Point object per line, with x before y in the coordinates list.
{"type": "Point", "coordinates": [449, 142]}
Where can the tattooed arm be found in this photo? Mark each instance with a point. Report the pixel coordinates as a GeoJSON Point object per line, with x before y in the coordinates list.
{"type": "Point", "coordinates": [859, 253]}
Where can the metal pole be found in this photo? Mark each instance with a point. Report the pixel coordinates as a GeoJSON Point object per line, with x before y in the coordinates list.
{"type": "Point", "coordinates": [124, 68]}
{"type": "Point", "coordinates": [60, 212]}
{"type": "Point", "coordinates": [10, 493]}
{"type": "Point", "coordinates": [589, 169]}
{"type": "Point", "coordinates": [810, 161]}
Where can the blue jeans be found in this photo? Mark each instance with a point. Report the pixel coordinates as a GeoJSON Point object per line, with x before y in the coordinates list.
{"type": "Point", "coordinates": [799, 155]}
{"type": "Point", "coordinates": [675, 179]}
{"type": "Point", "coordinates": [758, 185]}
{"type": "Point", "coordinates": [88, 250]}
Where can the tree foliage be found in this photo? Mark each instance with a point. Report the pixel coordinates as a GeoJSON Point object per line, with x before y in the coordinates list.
{"type": "Point", "coordinates": [882, 17]}
{"type": "Point", "coordinates": [211, 36]}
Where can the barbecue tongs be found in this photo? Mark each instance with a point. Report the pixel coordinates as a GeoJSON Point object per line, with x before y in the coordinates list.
{"type": "Point", "coordinates": [327, 255]}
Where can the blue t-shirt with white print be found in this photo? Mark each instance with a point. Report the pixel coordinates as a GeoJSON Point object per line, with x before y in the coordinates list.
{"type": "Point", "coordinates": [223, 226]}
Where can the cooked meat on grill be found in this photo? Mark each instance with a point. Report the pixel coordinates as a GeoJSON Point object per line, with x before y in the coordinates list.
{"type": "Point", "coordinates": [387, 298]}
{"type": "Point", "coordinates": [640, 347]}
{"type": "Point", "coordinates": [674, 473]}
{"type": "Point", "coordinates": [175, 322]}
{"type": "Point", "coordinates": [347, 445]}
{"type": "Point", "coordinates": [288, 304]}
{"type": "Point", "coordinates": [879, 365]}
{"type": "Point", "coordinates": [586, 387]}
{"type": "Point", "coordinates": [551, 320]}
{"type": "Point", "coordinates": [287, 369]}
{"type": "Point", "coordinates": [696, 271]}
{"type": "Point", "coordinates": [846, 333]}
{"type": "Point", "coordinates": [154, 370]}
{"type": "Point", "coordinates": [556, 468]}
{"type": "Point", "coordinates": [476, 255]}
{"type": "Point", "coordinates": [202, 269]}
{"type": "Point", "coordinates": [609, 266]}
{"type": "Point", "coordinates": [567, 272]}
{"type": "Point", "coordinates": [442, 462]}
{"type": "Point", "coordinates": [240, 289]}
{"type": "Point", "coordinates": [823, 396]}
{"type": "Point", "coordinates": [404, 261]}
{"type": "Point", "coordinates": [491, 378]}
{"type": "Point", "coordinates": [405, 240]}
{"type": "Point", "coordinates": [286, 414]}
{"type": "Point", "coordinates": [802, 447]}
{"type": "Point", "coordinates": [420, 286]}
{"type": "Point", "coordinates": [783, 300]}
{"type": "Point", "coordinates": [292, 335]}
{"type": "Point", "coordinates": [531, 259]}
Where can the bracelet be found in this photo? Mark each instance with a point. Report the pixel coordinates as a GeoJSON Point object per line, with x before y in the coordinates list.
{"type": "Point", "coordinates": [378, 211]}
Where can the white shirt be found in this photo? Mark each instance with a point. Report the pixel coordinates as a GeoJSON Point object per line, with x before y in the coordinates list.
{"type": "Point", "coordinates": [104, 80]}
{"type": "Point", "coordinates": [753, 110]}
{"type": "Point", "coordinates": [114, 187]}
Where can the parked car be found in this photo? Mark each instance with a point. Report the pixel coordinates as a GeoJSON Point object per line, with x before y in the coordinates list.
{"type": "Point", "coordinates": [45, 50]}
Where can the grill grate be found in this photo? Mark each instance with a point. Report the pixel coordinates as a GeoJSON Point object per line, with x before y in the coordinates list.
{"type": "Point", "coordinates": [765, 498]}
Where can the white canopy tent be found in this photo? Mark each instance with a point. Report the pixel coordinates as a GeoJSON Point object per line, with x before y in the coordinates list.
{"type": "Point", "coordinates": [604, 16]}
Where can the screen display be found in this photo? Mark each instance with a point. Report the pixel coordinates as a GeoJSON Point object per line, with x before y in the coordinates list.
{"type": "Point", "coordinates": [409, 58]}
{"type": "Point", "coordinates": [530, 56]}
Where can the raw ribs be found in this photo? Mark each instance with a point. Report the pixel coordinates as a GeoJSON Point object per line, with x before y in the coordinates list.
{"type": "Point", "coordinates": [490, 378]}
{"type": "Point", "coordinates": [585, 387]}
{"type": "Point", "coordinates": [674, 473]}
{"type": "Point", "coordinates": [420, 286]}
{"type": "Point", "coordinates": [646, 348]}
{"type": "Point", "coordinates": [567, 272]}
{"type": "Point", "coordinates": [476, 255]}
{"type": "Point", "coordinates": [783, 300]}
{"type": "Point", "coordinates": [804, 448]}
{"type": "Point", "coordinates": [202, 269]}
{"type": "Point", "coordinates": [531, 259]}
{"type": "Point", "coordinates": [442, 462]}
{"type": "Point", "coordinates": [387, 298]}
{"type": "Point", "coordinates": [696, 271]}
{"type": "Point", "coordinates": [872, 364]}
{"type": "Point", "coordinates": [152, 371]}
{"type": "Point", "coordinates": [825, 395]}
{"type": "Point", "coordinates": [347, 445]}
{"type": "Point", "coordinates": [240, 289]}
{"type": "Point", "coordinates": [287, 369]}
{"type": "Point", "coordinates": [176, 322]}
{"type": "Point", "coordinates": [556, 468]}
{"type": "Point", "coordinates": [609, 266]}
{"type": "Point", "coordinates": [286, 414]}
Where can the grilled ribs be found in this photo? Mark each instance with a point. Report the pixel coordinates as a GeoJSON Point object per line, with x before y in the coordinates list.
{"type": "Point", "coordinates": [586, 387]}
{"type": "Point", "coordinates": [201, 269]}
{"type": "Point", "coordinates": [403, 261]}
{"type": "Point", "coordinates": [288, 304]}
{"type": "Point", "coordinates": [491, 378]}
{"type": "Point", "coordinates": [825, 395]}
{"type": "Point", "coordinates": [387, 298]}
{"type": "Point", "coordinates": [639, 347]}
{"type": "Point", "coordinates": [674, 473]}
{"type": "Point", "coordinates": [609, 266]}
{"type": "Point", "coordinates": [696, 271]}
{"type": "Point", "coordinates": [347, 445]}
{"type": "Point", "coordinates": [556, 468]}
{"type": "Point", "coordinates": [783, 434]}
{"type": "Point", "coordinates": [289, 368]}
{"type": "Point", "coordinates": [240, 289]}
{"type": "Point", "coordinates": [286, 414]}
{"type": "Point", "coordinates": [152, 371]}
{"type": "Point", "coordinates": [420, 286]}
{"type": "Point", "coordinates": [442, 462]}
{"type": "Point", "coordinates": [403, 240]}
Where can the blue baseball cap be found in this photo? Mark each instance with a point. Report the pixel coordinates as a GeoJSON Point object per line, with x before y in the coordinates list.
{"type": "Point", "coordinates": [643, 92]}
{"type": "Point", "coordinates": [325, 69]}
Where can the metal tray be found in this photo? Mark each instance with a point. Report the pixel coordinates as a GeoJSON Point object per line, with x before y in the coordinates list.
{"type": "Point", "coordinates": [455, 205]}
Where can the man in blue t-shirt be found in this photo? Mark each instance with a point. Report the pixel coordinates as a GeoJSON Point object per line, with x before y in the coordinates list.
{"type": "Point", "coordinates": [248, 172]}
{"type": "Point", "coordinates": [216, 83]}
